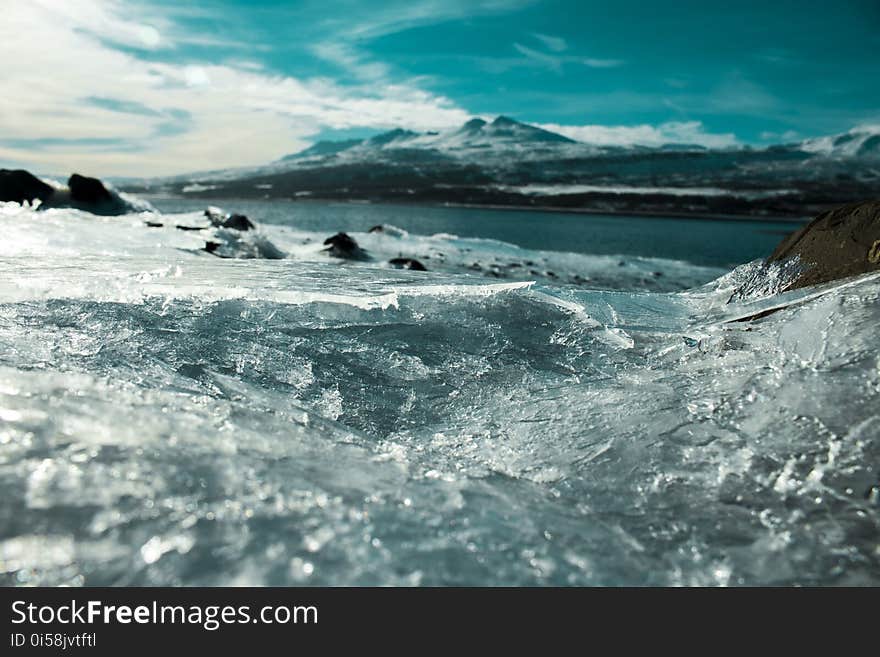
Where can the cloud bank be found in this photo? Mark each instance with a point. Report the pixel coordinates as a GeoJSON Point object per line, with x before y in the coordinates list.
{"type": "Point", "coordinates": [672, 132]}
{"type": "Point", "coordinates": [89, 91]}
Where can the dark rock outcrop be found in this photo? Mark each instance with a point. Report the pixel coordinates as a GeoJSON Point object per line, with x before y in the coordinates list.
{"type": "Point", "coordinates": [215, 215]}
{"type": "Point", "coordinates": [238, 222]}
{"type": "Point", "coordinates": [341, 245]}
{"type": "Point", "coordinates": [836, 244]}
{"type": "Point", "coordinates": [220, 219]}
{"type": "Point", "coordinates": [81, 193]}
{"type": "Point", "coordinates": [407, 263]}
{"type": "Point", "coordinates": [18, 186]}
{"type": "Point", "coordinates": [213, 247]}
{"type": "Point", "coordinates": [85, 190]}
{"type": "Point", "coordinates": [90, 195]}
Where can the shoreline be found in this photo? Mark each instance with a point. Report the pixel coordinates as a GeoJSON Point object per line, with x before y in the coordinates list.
{"type": "Point", "coordinates": [651, 214]}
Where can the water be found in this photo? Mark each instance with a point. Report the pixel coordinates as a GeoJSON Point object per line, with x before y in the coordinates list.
{"type": "Point", "coordinates": [168, 417]}
{"type": "Point", "coordinates": [719, 243]}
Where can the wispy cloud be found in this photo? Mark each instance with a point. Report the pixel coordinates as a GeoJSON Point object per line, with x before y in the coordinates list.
{"type": "Point", "coordinates": [555, 62]}
{"type": "Point", "coordinates": [592, 62]}
{"type": "Point", "coordinates": [672, 132]}
{"type": "Point", "coordinates": [738, 94]}
{"type": "Point", "coordinates": [542, 59]}
{"type": "Point", "coordinates": [351, 60]}
{"type": "Point", "coordinates": [786, 136]}
{"type": "Point", "coordinates": [361, 20]}
{"type": "Point", "coordinates": [554, 43]}
{"type": "Point", "coordinates": [93, 79]}
{"type": "Point", "coordinates": [341, 39]}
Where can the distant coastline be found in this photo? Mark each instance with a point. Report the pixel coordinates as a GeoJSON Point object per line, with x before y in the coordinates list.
{"type": "Point", "coordinates": [611, 212]}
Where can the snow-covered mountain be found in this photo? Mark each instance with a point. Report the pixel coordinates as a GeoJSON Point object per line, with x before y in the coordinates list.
{"type": "Point", "coordinates": [505, 144]}
{"type": "Point", "coordinates": [506, 162]}
{"type": "Point", "coordinates": [481, 140]}
{"type": "Point", "coordinates": [860, 142]}
{"type": "Point", "coordinates": [476, 139]}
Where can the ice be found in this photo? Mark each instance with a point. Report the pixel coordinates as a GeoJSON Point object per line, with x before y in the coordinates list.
{"type": "Point", "coordinates": [168, 417]}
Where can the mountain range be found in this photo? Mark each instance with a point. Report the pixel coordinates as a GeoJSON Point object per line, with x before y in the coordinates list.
{"type": "Point", "coordinates": [509, 163]}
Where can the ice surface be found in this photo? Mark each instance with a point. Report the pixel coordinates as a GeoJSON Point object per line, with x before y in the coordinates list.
{"type": "Point", "coordinates": [168, 417]}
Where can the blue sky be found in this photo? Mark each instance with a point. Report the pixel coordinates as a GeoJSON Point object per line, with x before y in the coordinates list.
{"type": "Point", "coordinates": [155, 87]}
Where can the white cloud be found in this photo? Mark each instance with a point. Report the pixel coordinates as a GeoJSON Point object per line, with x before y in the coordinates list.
{"type": "Point", "coordinates": [602, 63]}
{"type": "Point", "coordinates": [76, 97]}
{"type": "Point", "coordinates": [673, 132]}
{"type": "Point", "coordinates": [361, 20]}
{"type": "Point", "coordinates": [349, 59]}
{"type": "Point", "coordinates": [358, 23]}
{"type": "Point", "coordinates": [787, 136]}
{"type": "Point", "coordinates": [109, 20]}
{"type": "Point", "coordinates": [67, 54]}
{"type": "Point", "coordinates": [554, 43]}
{"type": "Point", "coordinates": [554, 62]}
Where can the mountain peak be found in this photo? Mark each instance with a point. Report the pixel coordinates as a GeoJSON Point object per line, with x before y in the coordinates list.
{"type": "Point", "coordinates": [392, 135]}
{"type": "Point", "coordinates": [474, 124]}
{"type": "Point", "coordinates": [505, 121]}
{"type": "Point", "coordinates": [505, 127]}
{"type": "Point", "coordinates": [862, 141]}
{"type": "Point", "coordinates": [502, 133]}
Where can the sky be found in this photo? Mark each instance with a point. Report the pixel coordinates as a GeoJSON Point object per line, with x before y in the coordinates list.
{"type": "Point", "coordinates": [160, 87]}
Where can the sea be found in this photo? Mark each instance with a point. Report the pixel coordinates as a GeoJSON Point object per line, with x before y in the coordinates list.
{"type": "Point", "coordinates": [558, 399]}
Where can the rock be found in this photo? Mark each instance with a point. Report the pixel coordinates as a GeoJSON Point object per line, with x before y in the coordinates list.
{"type": "Point", "coordinates": [238, 222]}
{"type": "Point", "coordinates": [407, 263]}
{"type": "Point", "coordinates": [388, 230]}
{"type": "Point", "coordinates": [91, 195]}
{"type": "Point", "coordinates": [154, 224]}
{"type": "Point", "coordinates": [341, 245]}
{"type": "Point", "coordinates": [241, 246]}
{"type": "Point", "coordinates": [19, 186]}
{"type": "Point", "coordinates": [81, 193]}
{"type": "Point", "coordinates": [88, 190]}
{"type": "Point", "coordinates": [213, 248]}
{"type": "Point", "coordinates": [220, 219]}
{"type": "Point", "coordinates": [215, 215]}
{"type": "Point", "coordinates": [837, 244]}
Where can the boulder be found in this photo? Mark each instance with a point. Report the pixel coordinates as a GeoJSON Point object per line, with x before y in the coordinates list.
{"type": "Point", "coordinates": [238, 222]}
{"type": "Point", "coordinates": [82, 193]}
{"type": "Point", "coordinates": [220, 219]}
{"type": "Point", "coordinates": [85, 190]}
{"type": "Point", "coordinates": [19, 186]}
{"type": "Point", "coordinates": [90, 195]}
{"type": "Point", "coordinates": [407, 263]}
{"type": "Point", "coordinates": [342, 245]}
{"type": "Point", "coordinates": [836, 244]}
